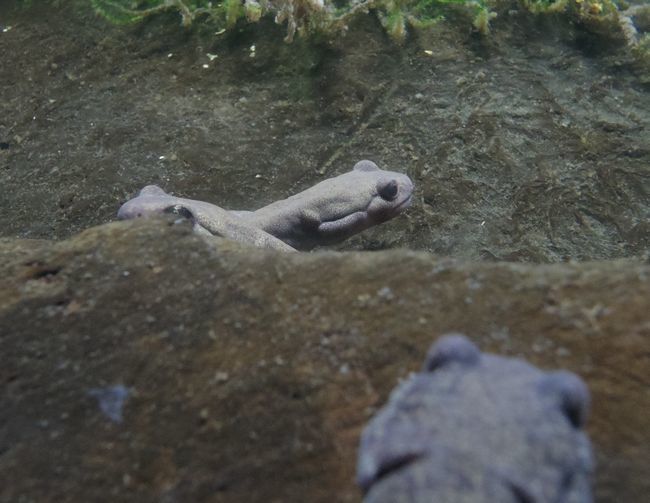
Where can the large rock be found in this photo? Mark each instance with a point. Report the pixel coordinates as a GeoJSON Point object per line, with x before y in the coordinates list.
{"type": "Point", "coordinates": [141, 362]}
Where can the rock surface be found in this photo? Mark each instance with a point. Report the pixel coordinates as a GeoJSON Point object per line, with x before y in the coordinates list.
{"type": "Point", "coordinates": [530, 144]}
{"type": "Point", "coordinates": [144, 363]}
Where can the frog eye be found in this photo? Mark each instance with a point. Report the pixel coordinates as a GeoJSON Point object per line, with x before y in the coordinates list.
{"type": "Point", "coordinates": [571, 394]}
{"type": "Point", "coordinates": [179, 210]}
{"type": "Point", "coordinates": [451, 348]}
{"type": "Point", "coordinates": [387, 191]}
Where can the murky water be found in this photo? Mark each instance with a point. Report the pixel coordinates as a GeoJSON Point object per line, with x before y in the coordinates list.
{"type": "Point", "coordinates": [148, 364]}
{"type": "Point", "coordinates": [528, 145]}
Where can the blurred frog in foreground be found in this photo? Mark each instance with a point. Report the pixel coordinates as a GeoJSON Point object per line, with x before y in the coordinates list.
{"type": "Point", "coordinates": [479, 428]}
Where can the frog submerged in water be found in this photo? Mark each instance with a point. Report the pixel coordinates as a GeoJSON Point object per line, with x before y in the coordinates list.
{"type": "Point", "coordinates": [479, 428]}
{"type": "Point", "coordinates": [206, 218]}
{"type": "Point", "coordinates": [337, 208]}
{"type": "Point", "coordinates": [329, 212]}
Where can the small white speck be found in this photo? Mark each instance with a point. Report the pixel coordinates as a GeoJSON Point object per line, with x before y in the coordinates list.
{"type": "Point", "coordinates": [252, 49]}
{"type": "Point", "coordinates": [482, 223]}
{"type": "Point", "coordinates": [473, 284]}
{"type": "Point", "coordinates": [220, 32]}
{"type": "Point", "coordinates": [562, 351]}
{"type": "Point", "coordinates": [258, 176]}
{"type": "Point", "coordinates": [126, 273]}
{"type": "Point", "coordinates": [386, 293]}
{"type": "Point", "coordinates": [212, 56]}
{"type": "Point", "coordinates": [170, 55]}
{"type": "Point", "coordinates": [428, 52]}
{"type": "Point", "coordinates": [6, 29]}
{"type": "Point", "coordinates": [205, 65]}
{"type": "Point", "coordinates": [162, 157]}
{"type": "Point", "coordinates": [221, 376]}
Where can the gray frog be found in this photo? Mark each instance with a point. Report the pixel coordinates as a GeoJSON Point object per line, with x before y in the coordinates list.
{"type": "Point", "coordinates": [206, 218]}
{"type": "Point", "coordinates": [475, 427]}
{"type": "Point", "coordinates": [335, 209]}
{"type": "Point", "coordinates": [329, 212]}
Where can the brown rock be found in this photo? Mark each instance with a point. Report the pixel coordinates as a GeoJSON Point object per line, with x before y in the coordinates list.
{"type": "Point", "coordinates": [250, 373]}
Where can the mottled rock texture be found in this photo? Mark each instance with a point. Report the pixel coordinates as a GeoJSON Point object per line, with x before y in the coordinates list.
{"type": "Point", "coordinates": [530, 144]}
{"type": "Point", "coordinates": [247, 375]}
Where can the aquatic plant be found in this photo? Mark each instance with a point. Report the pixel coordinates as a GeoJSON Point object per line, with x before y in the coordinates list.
{"type": "Point", "coordinates": [586, 7]}
{"type": "Point", "coordinates": [308, 16]}
{"type": "Point", "coordinates": [397, 15]}
{"type": "Point", "coordinates": [301, 16]}
{"type": "Point", "coordinates": [128, 11]}
{"type": "Point", "coordinates": [298, 14]}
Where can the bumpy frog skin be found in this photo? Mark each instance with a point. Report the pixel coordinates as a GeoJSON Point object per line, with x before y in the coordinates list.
{"type": "Point", "coordinates": [337, 208]}
{"type": "Point", "coordinates": [329, 212]}
{"type": "Point", "coordinates": [207, 218]}
{"type": "Point", "coordinates": [479, 428]}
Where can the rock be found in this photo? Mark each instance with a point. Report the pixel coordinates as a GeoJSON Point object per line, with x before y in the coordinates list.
{"type": "Point", "coordinates": [190, 309]}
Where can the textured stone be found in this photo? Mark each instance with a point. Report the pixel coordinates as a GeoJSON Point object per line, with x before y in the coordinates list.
{"type": "Point", "coordinates": [251, 373]}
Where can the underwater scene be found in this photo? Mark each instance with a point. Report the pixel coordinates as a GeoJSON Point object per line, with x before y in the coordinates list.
{"type": "Point", "coordinates": [323, 251]}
